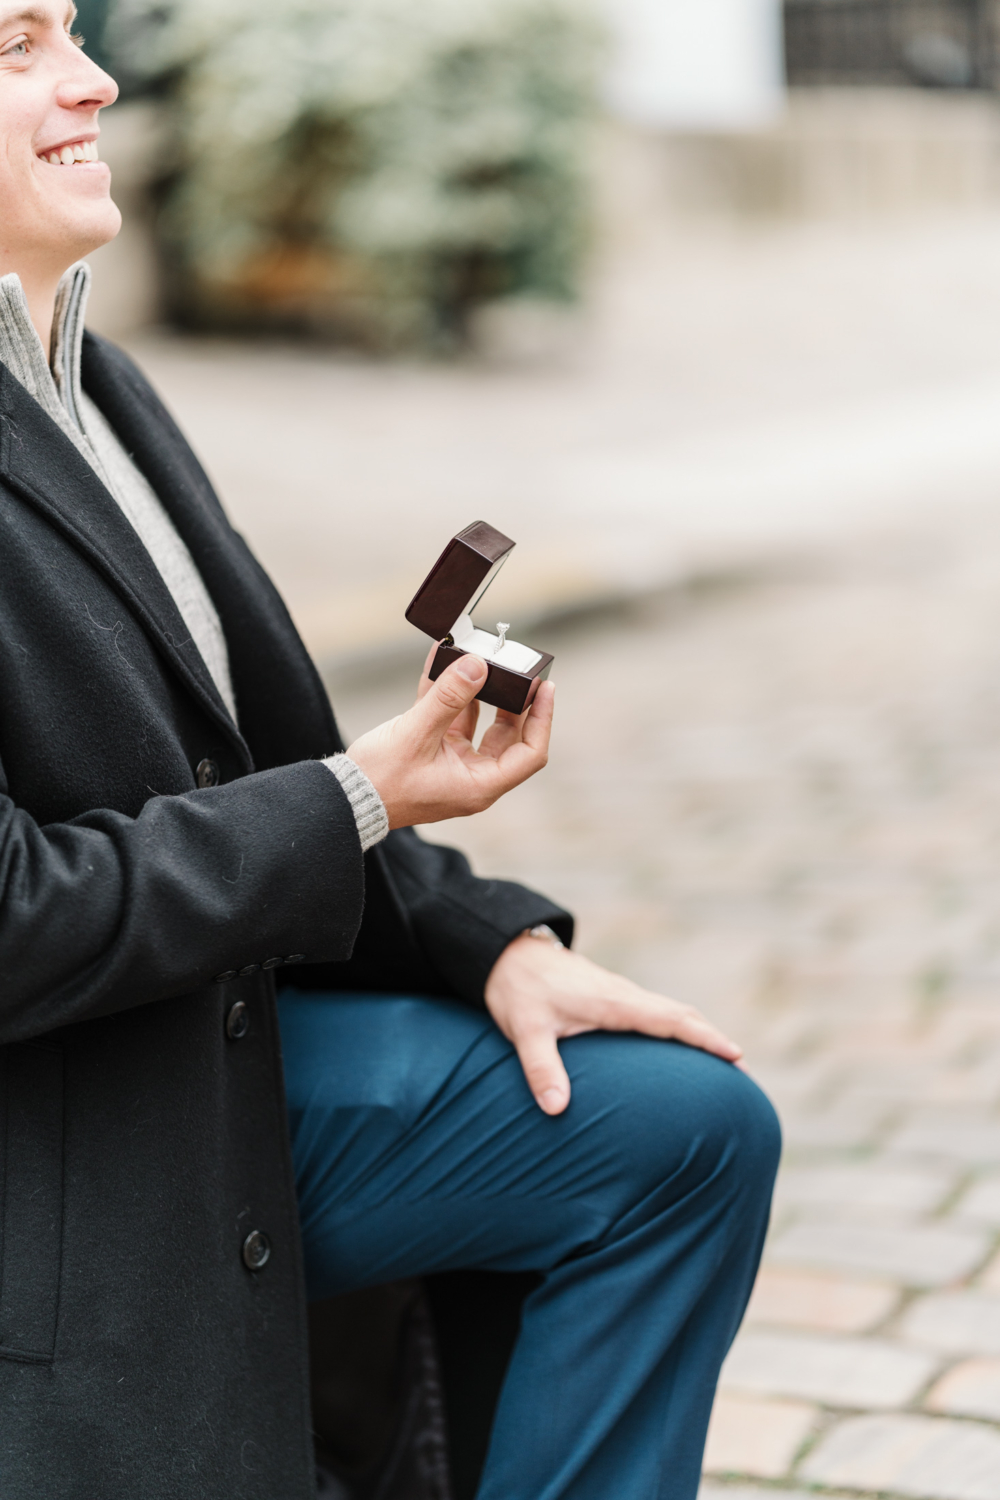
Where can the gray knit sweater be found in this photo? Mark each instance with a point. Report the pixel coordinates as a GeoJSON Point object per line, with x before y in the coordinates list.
{"type": "Point", "coordinates": [58, 390]}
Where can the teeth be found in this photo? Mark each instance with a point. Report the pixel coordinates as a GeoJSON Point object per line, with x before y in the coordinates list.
{"type": "Point", "coordinates": [70, 155]}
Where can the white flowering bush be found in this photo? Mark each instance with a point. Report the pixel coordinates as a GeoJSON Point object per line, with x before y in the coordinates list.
{"type": "Point", "coordinates": [377, 165]}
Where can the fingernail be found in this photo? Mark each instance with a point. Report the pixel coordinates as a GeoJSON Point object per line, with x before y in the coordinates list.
{"type": "Point", "coordinates": [471, 668]}
{"type": "Point", "coordinates": [551, 1101]}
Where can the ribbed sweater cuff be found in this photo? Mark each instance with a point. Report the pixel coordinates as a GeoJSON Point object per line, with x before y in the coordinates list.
{"type": "Point", "coordinates": [366, 804]}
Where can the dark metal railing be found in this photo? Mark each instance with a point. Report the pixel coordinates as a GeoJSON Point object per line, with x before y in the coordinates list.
{"type": "Point", "coordinates": [930, 43]}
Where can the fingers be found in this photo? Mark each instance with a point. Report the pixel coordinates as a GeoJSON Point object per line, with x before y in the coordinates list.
{"type": "Point", "coordinates": [697, 1032]}
{"type": "Point", "coordinates": [538, 725]}
{"type": "Point", "coordinates": [464, 727]}
{"type": "Point", "coordinates": [424, 685]}
{"type": "Point", "coordinates": [502, 733]}
{"type": "Point", "coordinates": [657, 1016]}
{"type": "Point", "coordinates": [532, 729]}
{"type": "Point", "coordinates": [544, 1071]}
{"type": "Point", "coordinates": [689, 1025]}
{"type": "Point", "coordinates": [437, 709]}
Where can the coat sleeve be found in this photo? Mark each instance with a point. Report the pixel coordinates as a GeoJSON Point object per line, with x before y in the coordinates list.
{"type": "Point", "coordinates": [431, 926]}
{"type": "Point", "coordinates": [107, 911]}
{"type": "Point", "coordinates": [462, 922]}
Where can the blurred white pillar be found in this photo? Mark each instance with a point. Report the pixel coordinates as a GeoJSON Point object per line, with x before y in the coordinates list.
{"type": "Point", "coordinates": [697, 64]}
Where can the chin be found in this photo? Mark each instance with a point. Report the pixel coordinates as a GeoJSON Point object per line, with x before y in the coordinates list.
{"type": "Point", "coordinates": [107, 226]}
{"type": "Point", "coordinates": [91, 226]}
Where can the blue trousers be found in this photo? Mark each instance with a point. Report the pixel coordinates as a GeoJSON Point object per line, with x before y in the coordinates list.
{"type": "Point", "coordinates": [418, 1148]}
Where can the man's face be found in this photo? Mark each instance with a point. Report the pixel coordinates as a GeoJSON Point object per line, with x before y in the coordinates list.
{"type": "Point", "coordinates": [55, 202]}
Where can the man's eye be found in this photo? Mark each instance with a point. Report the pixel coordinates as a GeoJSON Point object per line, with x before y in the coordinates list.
{"type": "Point", "coordinates": [16, 49]}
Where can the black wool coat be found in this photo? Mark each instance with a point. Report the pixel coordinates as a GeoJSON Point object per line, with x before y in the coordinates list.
{"type": "Point", "coordinates": [140, 1146]}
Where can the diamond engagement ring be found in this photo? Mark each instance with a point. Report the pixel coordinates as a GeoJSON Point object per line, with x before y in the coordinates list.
{"type": "Point", "coordinates": [502, 629]}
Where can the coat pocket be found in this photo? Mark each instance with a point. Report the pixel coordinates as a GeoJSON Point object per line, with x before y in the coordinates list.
{"type": "Point", "coordinates": [31, 1199]}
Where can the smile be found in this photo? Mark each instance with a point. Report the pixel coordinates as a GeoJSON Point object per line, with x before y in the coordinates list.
{"type": "Point", "coordinates": [73, 155]}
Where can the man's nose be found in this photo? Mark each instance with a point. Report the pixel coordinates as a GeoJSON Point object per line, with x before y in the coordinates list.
{"type": "Point", "coordinates": [86, 85]}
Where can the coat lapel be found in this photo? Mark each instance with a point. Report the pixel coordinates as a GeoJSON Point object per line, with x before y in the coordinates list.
{"type": "Point", "coordinates": [40, 462]}
{"type": "Point", "coordinates": [284, 711]}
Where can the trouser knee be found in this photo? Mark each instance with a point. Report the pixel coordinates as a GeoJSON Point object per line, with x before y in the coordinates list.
{"type": "Point", "coordinates": [678, 1119]}
{"type": "Point", "coordinates": [758, 1129]}
{"type": "Point", "coordinates": [735, 1136]}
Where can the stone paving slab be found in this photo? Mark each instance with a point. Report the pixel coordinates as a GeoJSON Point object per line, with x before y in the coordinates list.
{"type": "Point", "coordinates": [932, 1458]}
{"type": "Point", "coordinates": [847, 1125]}
{"type": "Point", "coordinates": [819, 1300]}
{"type": "Point", "coordinates": [838, 1372]}
{"type": "Point", "coordinates": [863, 1186]}
{"type": "Point", "coordinates": [761, 1438]}
{"type": "Point", "coordinates": [971, 1389]}
{"type": "Point", "coordinates": [973, 1141]}
{"type": "Point", "coordinates": [917, 1255]}
{"type": "Point", "coordinates": [955, 1322]}
{"type": "Point", "coordinates": [981, 1204]}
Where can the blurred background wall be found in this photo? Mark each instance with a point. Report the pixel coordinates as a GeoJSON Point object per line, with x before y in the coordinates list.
{"type": "Point", "coordinates": [382, 205]}
{"type": "Point", "coordinates": [715, 65]}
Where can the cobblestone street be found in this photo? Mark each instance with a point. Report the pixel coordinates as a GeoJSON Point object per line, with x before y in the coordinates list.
{"type": "Point", "coordinates": [788, 812]}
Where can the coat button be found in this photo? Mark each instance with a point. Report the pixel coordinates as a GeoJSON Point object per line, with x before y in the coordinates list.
{"type": "Point", "coordinates": [295, 958]}
{"type": "Point", "coordinates": [250, 969]}
{"type": "Point", "coordinates": [238, 1021]}
{"type": "Point", "coordinates": [226, 977]}
{"type": "Point", "coordinates": [272, 963]}
{"type": "Point", "coordinates": [256, 1250]}
{"type": "Point", "coordinates": [206, 773]}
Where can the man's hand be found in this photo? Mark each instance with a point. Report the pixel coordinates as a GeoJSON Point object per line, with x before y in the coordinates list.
{"type": "Point", "coordinates": [423, 764]}
{"type": "Point", "coordinates": [538, 993]}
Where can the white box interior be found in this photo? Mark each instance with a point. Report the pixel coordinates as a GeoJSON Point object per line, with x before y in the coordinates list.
{"type": "Point", "coordinates": [484, 643]}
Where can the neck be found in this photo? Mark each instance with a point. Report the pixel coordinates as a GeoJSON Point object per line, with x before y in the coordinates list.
{"type": "Point", "coordinates": [40, 287]}
{"type": "Point", "coordinates": [40, 294]}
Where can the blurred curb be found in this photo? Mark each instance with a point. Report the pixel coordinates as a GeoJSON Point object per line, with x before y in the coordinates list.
{"type": "Point", "coordinates": [390, 659]}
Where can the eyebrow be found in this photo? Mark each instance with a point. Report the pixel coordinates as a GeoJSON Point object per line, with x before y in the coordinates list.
{"type": "Point", "coordinates": [33, 17]}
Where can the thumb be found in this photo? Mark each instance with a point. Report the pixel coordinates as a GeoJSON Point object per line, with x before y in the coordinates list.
{"type": "Point", "coordinates": [445, 699]}
{"type": "Point", "coordinates": [543, 1068]}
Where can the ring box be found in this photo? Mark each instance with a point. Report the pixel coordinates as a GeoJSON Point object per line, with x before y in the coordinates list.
{"type": "Point", "coordinates": [442, 608]}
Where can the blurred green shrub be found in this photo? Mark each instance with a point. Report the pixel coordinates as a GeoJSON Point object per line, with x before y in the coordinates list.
{"type": "Point", "coordinates": [374, 168]}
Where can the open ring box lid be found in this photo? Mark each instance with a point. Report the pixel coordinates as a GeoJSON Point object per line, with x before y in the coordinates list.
{"type": "Point", "coordinates": [442, 607]}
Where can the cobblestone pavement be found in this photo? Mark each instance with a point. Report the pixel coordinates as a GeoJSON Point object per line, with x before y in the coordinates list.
{"type": "Point", "coordinates": [787, 810]}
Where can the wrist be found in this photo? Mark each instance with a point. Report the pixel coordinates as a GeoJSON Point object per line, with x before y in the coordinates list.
{"type": "Point", "coordinates": [369, 811]}
{"type": "Point", "coordinates": [368, 754]}
{"type": "Point", "coordinates": [534, 952]}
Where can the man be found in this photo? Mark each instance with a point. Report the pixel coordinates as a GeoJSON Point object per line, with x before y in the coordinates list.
{"type": "Point", "coordinates": [179, 826]}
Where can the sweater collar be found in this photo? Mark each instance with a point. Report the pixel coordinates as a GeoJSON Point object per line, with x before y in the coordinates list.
{"type": "Point", "coordinates": [57, 389]}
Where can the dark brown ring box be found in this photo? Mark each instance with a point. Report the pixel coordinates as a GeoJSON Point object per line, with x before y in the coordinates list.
{"type": "Point", "coordinates": [442, 608]}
